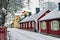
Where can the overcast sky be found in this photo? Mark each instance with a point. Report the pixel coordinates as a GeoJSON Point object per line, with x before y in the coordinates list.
{"type": "Point", "coordinates": [35, 3]}
{"type": "Point", "coordinates": [54, 0]}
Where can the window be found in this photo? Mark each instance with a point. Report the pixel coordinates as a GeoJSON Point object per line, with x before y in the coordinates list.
{"type": "Point", "coordinates": [39, 24]}
{"type": "Point", "coordinates": [29, 24]}
{"type": "Point", "coordinates": [55, 25]}
{"type": "Point", "coordinates": [32, 24]}
{"type": "Point", "coordinates": [26, 25]}
{"type": "Point", "coordinates": [43, 25]}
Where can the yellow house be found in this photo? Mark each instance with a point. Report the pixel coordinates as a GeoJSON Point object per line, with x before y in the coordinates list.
{"type": "Point", "coordinates": [16, 20]}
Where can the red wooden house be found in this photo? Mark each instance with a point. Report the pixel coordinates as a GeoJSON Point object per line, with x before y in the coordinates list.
{"type": "Point", "coordinates": [3, 33]}
{"type": "Point", "coordinates": [51, 22]}
{"type": "Point", "coordinates": [26, 24]}
{"type": "Point", "coordinates": [23, 23]}
{"type": "Point", "coordinates": [31, 23]}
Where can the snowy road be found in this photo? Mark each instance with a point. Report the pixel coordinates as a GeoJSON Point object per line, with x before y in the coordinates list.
{"type": "Point", "coordinates": [18, 34]}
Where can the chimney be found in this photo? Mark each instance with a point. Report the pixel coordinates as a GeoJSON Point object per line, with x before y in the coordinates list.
{"type": "Point", "coordinates": [37, 10]}
{"type": "Point", "coordinates": [29, 14]}
{"type": "Point", "coordinates": [59, 5]}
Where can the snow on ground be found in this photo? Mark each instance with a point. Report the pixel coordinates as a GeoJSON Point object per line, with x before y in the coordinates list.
{"type": "Point", "coordinates": [18, 34]}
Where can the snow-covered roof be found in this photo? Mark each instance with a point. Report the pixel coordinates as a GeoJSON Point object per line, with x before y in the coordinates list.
{"type": "Point", "coordinates": [24, 19]}
{"type": "Point", "coordinates": [34, 16]}
{"type": "Point", "coordinates": [52, 15]}
{"type": "Point", "coordinates": [31, 18]}
{"type": "Point", "coordinates": [40, 14]}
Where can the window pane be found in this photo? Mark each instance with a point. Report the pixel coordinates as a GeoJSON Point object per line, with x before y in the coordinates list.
{"type": "Point", "coordinates": [43, 25]}
{"type": "Point", "coordinates": [26, 24]}
{"type": "Point", "coordinates": [55, 25]}
{"type": "Point", "coordinates": [39, 24]}
{"type": "Point", "coordinates": [29, 24]}
{"type": "Point", "coordinates": [32, 24]}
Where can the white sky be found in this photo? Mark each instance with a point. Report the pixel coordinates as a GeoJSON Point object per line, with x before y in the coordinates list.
{"type": "Point", "coordinates": [54, 0]}
{"type": "Point", "coordinates": [35, 3]}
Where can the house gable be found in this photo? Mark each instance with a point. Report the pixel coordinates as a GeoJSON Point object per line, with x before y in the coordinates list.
{"type": "Point", "coordinates": [44, 14]}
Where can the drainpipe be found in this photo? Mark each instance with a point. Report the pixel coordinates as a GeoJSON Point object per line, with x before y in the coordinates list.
{"type": "Point", "coordinates": [36, 28]}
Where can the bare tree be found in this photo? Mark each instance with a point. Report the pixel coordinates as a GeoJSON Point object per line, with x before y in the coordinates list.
{"type": "Point", "coordinates": [15, 5]}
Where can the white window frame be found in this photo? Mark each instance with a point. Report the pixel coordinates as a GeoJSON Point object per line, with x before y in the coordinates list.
{"type": "Point", "coordinates": [39, 24]}
{"type": "Point", "coordinates": [55, 26]}
{"type": "Point", "coordinates": [33, 23]}
{"type": "Point", "coordinates": [26, 25]}
{"type": "Point", "coordinates": [43, 25]}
